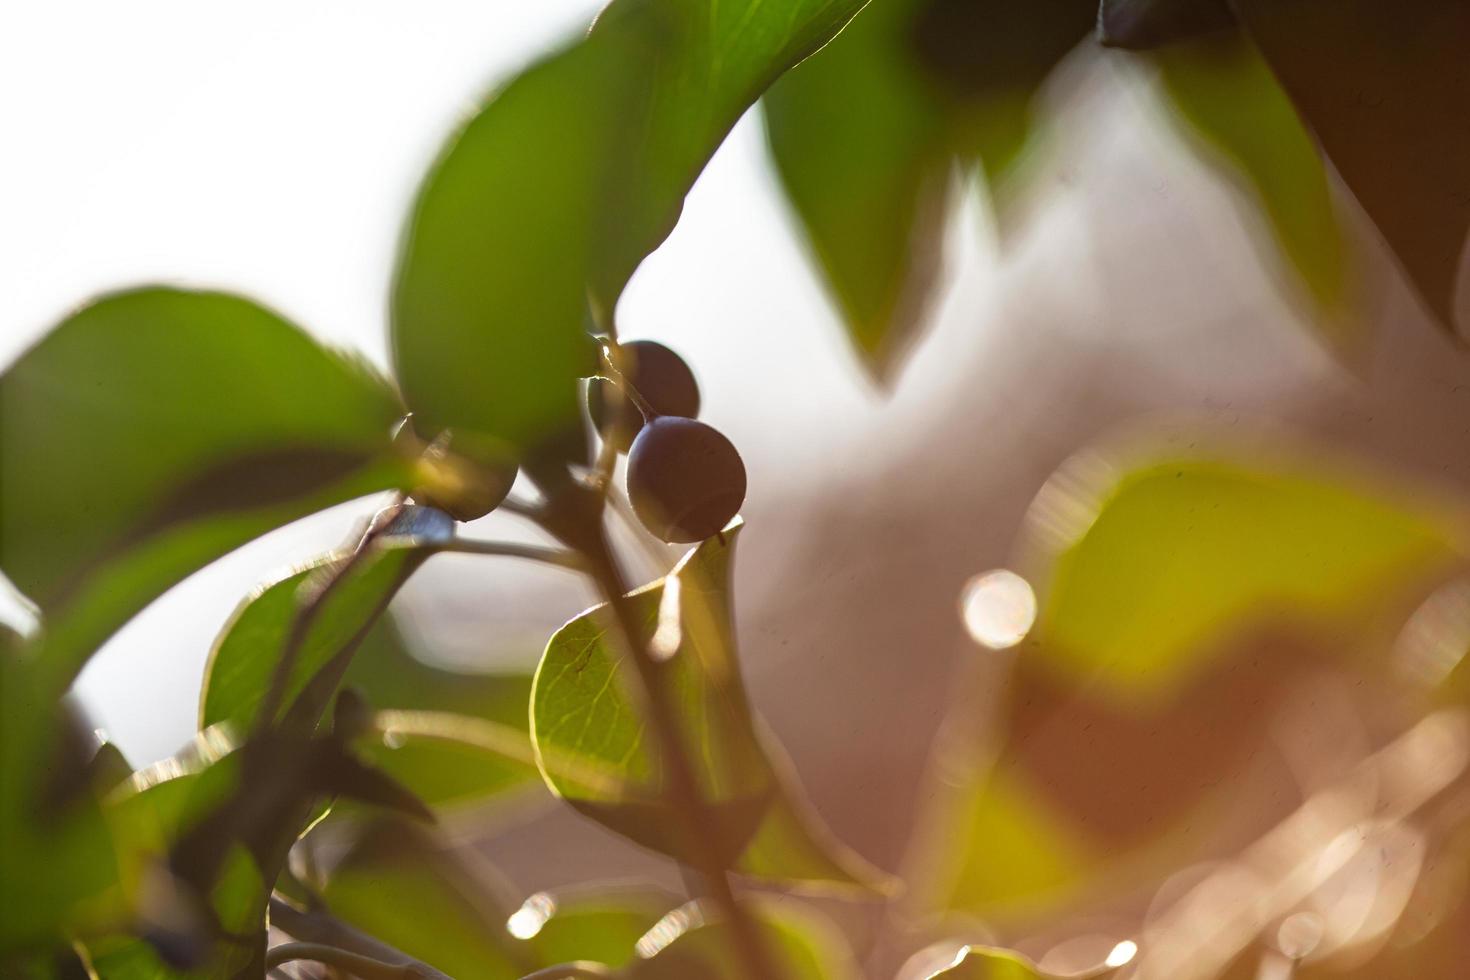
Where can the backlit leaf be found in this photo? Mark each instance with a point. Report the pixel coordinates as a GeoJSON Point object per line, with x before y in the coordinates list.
{"type": "Point", "coordinates": [569, 177]}
{"type": "Point", "coordinates": [1384, 88]}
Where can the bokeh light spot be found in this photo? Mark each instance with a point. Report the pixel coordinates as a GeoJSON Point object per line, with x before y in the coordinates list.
{"type": "Point", "coordinates": [1121, 954]}
{"type": "Point", "coordinates": [526, 921]}
{"type": "Point", "coordinates": [998, 608]}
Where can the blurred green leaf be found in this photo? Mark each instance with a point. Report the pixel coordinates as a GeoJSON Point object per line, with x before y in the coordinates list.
{"type": "Point", "coordinates": [1142, 24]}
{"type": "Point", "coordinates": [1126, 716]}
{"type": "Point", "coordinates": [1226, 96]}
{"type": "Point", "coordinates": [404, 887]}
{"type": "Point", "coordinates": [1384, 88]}
{"type": "Point", "coordinates": [244, 658]}
{"type": "Point", "coordinates": [600, 924]}
{"type": "Point", "coordinates": [572, 174]}
{"type": "Point", "coordinates": [804, 944]}
{"type": "Point", "coordinates": [452, 760]}
{"type": "Point", "coordinates": [153, 431]}
{"type": "Point", "coordinates": [1183, 551]}
{"type": "Point", "coordinates": [862, 146]}
{"type": "Point", "coordinates": [594, 750]}
{"type": "Point", "coordinates": [866, 133]}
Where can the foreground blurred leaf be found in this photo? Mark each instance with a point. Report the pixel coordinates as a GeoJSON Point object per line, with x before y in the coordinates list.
{"type": "Point", "coordinates": [595, 752]}
{"type": "Point", "coordinates": [1384, 88]}
{"type": "Point", "coordinates": [1227, 96]}
{"type": "Point", "coordinates": [403, 887]}
{"type": "Point", "coordinates": [572, 174]}
{"type": "Point", "coordinates": [861, 143]}
{"type": "Point", "coordinates": [449, 759]}
{"type": "Point", "coordinates": [155, 430]}
{"type": "Point", "coordinates": [1143, 24]}
{"type": "Point", "coordinates": [865, 135]}
{"type": "Point", "coordinates": [1128, 719]}
{"type": "Point", "coordinates": [600, 924]}
{"type": "Point", "coordinates": [803, 944]}
{"type": "Point", "coordinates": [1182, 551]}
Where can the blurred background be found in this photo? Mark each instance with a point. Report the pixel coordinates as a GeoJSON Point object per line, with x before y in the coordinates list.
{"type": "Point", "coordinates": [1125, 303]}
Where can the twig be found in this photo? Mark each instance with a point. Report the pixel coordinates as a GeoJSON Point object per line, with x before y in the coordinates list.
{"type": "Point", "coordinates": [320, 928]}
{"type": "Point", "coordinates": [683, 787]}
{"type": "Point", "coordinates": [358, 965]}
{"type": "Point", "coordinates": [566, 971]}
{"type": "Point", "coordinates": [552, 556]}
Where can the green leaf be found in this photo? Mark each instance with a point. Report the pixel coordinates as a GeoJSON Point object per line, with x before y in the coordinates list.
{"type": "Point", "coordinates": [595, 752]}
{"type": "Point", "coordinates": [1183, 550]}
{"type": "Point", "coordinates": [595, 923]}
{"type": "Point", "coordinates": [244, 658]}
{"type": "Point", "coordinates": [1126, 717]}
{"type": "Point", "coordinates": [407, 889]}
{"type": "Point", "coordinates": [1384, 88]}
{"type": "Point", "coordinates": [1143, 24]}
{"type": "Point", "coordinates": [572, 174]}
{"type": "Point", "coordinates": [1226, 97]}
{"type": "Point", "coordinates": [861, 143]}
{"type": "Point", "coordinates": [866, 134]}
{"type": "Point", "coordinates": [803, 944]}
{"type": "Point", "coordinates": [450, 760]}
{"type": "Point", "coordinates": [155, 430]}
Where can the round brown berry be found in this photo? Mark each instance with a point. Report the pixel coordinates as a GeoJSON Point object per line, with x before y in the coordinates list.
{"type": "Point", "coordinates": [685, 480]}
{"type": "Point", "coordinates": [658, 375]}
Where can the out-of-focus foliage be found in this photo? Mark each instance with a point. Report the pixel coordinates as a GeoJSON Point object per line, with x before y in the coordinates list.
{"type": "Point", "coordinates": [1384, 88]}
{"type": "Point", "coordinates": [148, 434]}
{"type": "Point", "coordinates": [1128, 710]}
{"type": "Point", "coordinates": [1223, 93]}
{"type": "Point", "coordinates": [558, 189]}
{"type": "Point", "coordinates": [154, 430]}
{"type": "Point", "coordinates": [595, 752]}
{"type": "Point", "coordinates": [801, 944]}
{"type": "Point", "coordinates": [868, 133]}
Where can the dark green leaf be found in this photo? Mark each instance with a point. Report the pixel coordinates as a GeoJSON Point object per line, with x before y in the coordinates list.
{"type": "Point", "coordinates": [866, 134]}
{"type": "Point", "coordinates": [407, 889]}
{"type": "Point", "coordinates": [572, 174]}
{"type": "Point", "coordinates": [1384, 88]}
{"type": "Point", "coordinates": [861, 143]}
{"type": "Point", "coordinates": [153, 431]}
{"type": "Point", "coordinates": [594, 749]}
{"type": "Point", "coordinates": [1143, 24]}
{"type": "Point", "coordinates": [1227, 97]}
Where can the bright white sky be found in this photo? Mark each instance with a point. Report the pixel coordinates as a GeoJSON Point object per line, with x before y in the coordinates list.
{"type": "Point", "coordinates": [273, 148]}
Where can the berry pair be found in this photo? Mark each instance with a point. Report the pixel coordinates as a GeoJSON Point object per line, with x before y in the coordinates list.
{"type": "Point", "coordinates": [685, 480]}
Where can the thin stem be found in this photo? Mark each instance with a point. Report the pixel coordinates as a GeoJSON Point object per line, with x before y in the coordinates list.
{"type": "Point", "coordinates": [552, 556]}
{"type": "Point", "coordinates": [566, 971]}
{"type": "Point", "coordinates": [683, 787]}
{"type": "Point", "coordinates": [356, 964]}
{"type": "Point", "coordinates": [318, 928]}
{"type": "Point", "coordinates": [629, 388]}
{"type": "Point", "coordinates": [523, 508]}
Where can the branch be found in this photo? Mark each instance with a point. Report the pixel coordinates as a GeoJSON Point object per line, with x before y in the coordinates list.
{"type": "Point", "coordinates": [566, 971]}
{"type": "Point", "coordinates": [317, 928]}
{"type": "Point", "coordinates": [683, 786]}
{"type": "Point", "coordinates": [364, 967]}
{"type": "Point", "coordinates": [552, 556]}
